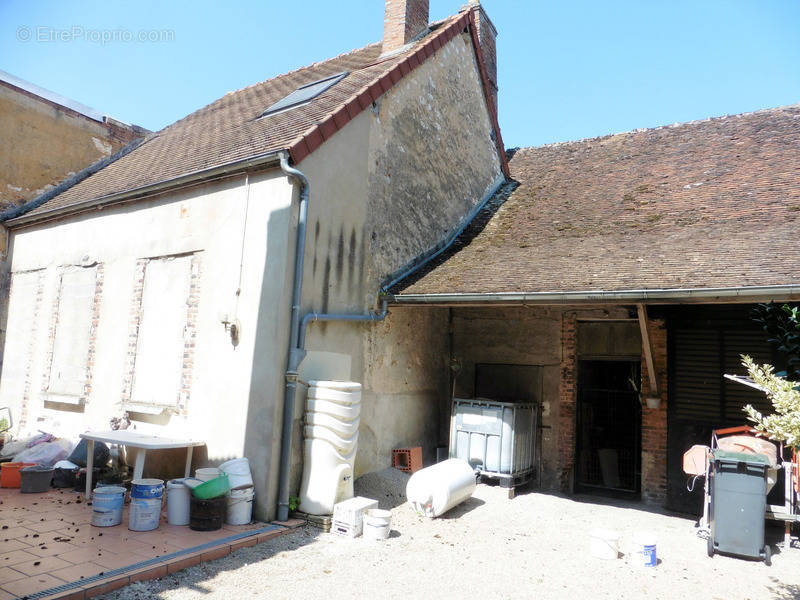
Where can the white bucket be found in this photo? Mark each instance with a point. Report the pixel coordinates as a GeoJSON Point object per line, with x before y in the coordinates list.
{"type": "Point", "coordinates": [178, 496]}
{"type": "Point", "coordinates": [240, 507]}
{"type": "Point", "coordinates": [107, 506]}
{"type": "Point", "coordinates": [377, 524]}
{"type": "Point", "coordinates": [145, 509]}
{"type": "Point", "coordinates": [238, 471]}
{"type": "Point", "coordinates": [643, 549]}
{"type": "Point", "coordinates": [604, 544]}
{"type": "Point", "coordinates": [207, 473]}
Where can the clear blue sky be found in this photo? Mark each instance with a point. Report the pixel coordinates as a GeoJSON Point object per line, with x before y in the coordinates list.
{"type": "Point", "coordinates": [567, 70]}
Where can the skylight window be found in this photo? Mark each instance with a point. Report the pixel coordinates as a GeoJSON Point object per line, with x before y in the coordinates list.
{"type": "Point", "coordinates": [304, 94]}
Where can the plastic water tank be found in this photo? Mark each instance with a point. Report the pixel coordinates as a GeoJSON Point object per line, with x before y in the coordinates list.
{"type": "Point", "coordinates": [434, 490]}
{"type": "Point", "coordinates": [331, 440]}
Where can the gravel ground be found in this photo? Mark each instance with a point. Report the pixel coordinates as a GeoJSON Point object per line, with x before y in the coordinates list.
{"type": "Point", "coordinates": [536, 545]}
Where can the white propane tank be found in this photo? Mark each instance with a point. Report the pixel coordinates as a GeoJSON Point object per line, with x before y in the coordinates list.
{"type": "Point", "coordinates": [434, 490]}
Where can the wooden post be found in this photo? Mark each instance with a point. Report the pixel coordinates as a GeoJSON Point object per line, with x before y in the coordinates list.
{"type": "Point", "coordinates": [648, 350]}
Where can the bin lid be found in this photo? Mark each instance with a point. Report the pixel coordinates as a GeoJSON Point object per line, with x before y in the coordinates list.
{"type": "Point", "coordinates": [745, 457]}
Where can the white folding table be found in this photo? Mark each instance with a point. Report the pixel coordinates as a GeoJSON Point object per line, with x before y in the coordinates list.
{"type": "Point", "coordinates": [133, 439]}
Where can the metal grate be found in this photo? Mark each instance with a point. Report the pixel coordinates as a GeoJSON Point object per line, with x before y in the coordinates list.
{"type": "Point", "coordinates": [147, 563]}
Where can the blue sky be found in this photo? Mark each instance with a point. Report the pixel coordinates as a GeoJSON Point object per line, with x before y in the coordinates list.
{"type": "Point", "coordinates": [567, 70]}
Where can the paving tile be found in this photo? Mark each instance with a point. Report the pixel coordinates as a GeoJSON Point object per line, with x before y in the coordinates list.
{"type": "Point", "coordinates": [270, 535]}
{"type": "Point", "coordinates": [149, 573]}
{"type": "Point", "coordinates": [7, 595]}
{"type": "Point", "coordinates": [10, 545]}
{"type": "Point", "coordinates": [44, 564]}
{"type": "Point", "coordinates": [80, 555]}
{"type": "Point", "coordinates": [184, 563]}
{"type": "Point", "coordinates": [45, 525]}
{"type": "Point", "coordinates": [15, 533]}
{"type": "Point", "coordinates": [9, 574]}
{"type": "Point", "coordinates": [51, 549]}
{"type": "Point", "coordinates": [78, 572]}
{"type": "Point", "coordinates": [31, 585]}
{"type": "Point", "coordinates": [9, 559]}
{"type": "Point", "coordinates": [112, 560]}
{"type": "Point", "coordinates": [245, 543]}
{"type": "Point", "coordinates": [105, 588]}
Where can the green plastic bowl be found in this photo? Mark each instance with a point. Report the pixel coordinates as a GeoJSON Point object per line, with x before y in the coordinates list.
{"type": "Point", "coordinates": [213, 488]}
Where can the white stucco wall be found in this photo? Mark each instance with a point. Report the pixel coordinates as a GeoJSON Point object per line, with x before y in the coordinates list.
{"type": "Point", "coordinates": [231, 385]}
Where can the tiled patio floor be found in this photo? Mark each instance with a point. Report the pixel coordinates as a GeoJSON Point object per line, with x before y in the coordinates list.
{"type": "Point", "coordinates": [47, 541]}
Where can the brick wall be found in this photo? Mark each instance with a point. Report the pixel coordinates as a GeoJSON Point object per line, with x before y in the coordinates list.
{"type": "Point", "coordinates": [654, 421]}
{"type": "Point", "coordinates": [567, 398]}
{"type": "Point", "coordinates": [403, 21]}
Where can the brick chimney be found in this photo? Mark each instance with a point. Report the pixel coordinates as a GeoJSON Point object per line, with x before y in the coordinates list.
{"type": "Point", "coordinates": [402, 22]}
{"type": "Point", "coordinates": [486, 35]}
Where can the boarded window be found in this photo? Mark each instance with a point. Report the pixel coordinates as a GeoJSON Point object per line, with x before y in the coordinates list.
{"type": "Point", "coordinates": [162, 327]}
{"type": "Point", "coordinates": [73, 328]}
{"type": "Point", "coordinates": [20, 335]}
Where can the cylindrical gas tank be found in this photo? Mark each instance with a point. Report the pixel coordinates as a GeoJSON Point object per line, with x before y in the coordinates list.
{"type": "Point", "coordinates": [434, 490]}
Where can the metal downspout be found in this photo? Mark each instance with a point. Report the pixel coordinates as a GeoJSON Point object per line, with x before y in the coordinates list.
{"type": "Point", "coordinates": [295, 354]}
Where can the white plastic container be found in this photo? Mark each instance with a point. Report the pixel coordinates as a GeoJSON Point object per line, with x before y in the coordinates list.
{"type": "Point", "coordinates": [377, 524]}
{"type": "Point", "coordinates": [178, 497]}
{"type": "Point", "coordinates": [434, 490]}
{"type": "Point", "coordinates": [643, 549]}
{"type": "Point", "coordinates": [344, 445]}
{"type": "Point", "coordinates": [238, 471]}
{"type": "Point", "coordinates": [207, 473]}
{"type": "Point", "coordinates": [327, 477]}
{"type": "Point", "coordinates": [338, 426]}
{"type": "Point", "coordinates": [240, 506]}
{"type": "Point", "coordinates": [345, 412]}
{"type": "Point", "coordinates": [604, 544]}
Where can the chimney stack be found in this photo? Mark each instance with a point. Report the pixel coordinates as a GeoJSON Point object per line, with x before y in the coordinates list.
{"type": "Point", "coordinates": [486, 36]}
{"type": "Point", "coordinates": [402, 22]}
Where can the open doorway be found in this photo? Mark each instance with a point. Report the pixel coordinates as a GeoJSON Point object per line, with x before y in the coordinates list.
{"type": "Point", "coordinates": [609, 427]}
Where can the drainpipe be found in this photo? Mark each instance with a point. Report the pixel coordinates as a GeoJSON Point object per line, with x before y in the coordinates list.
{"type": "Point", "coordinates": [295, 353]}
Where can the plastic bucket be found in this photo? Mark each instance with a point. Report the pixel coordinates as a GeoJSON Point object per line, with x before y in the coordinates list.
{"type": "Point", "coordinates": [207, 473]}
{"type": "Point", "coordinates": [145, 509]}
{"type": "Point", "coordinates": [36, 479]}
{"type": "Point", "coordinates": [377, 524]}
{"type": "Point", "coordinates": [604, 544]}
{"type": "Point", "coordinates": [207, 515]}
{"type": "Point", "coordinates": [9, 473]}
{"type": "Point", "coordinates": [644, 549]}
{"type": "Point", "coordinates": [107, 506]}
{"type": "Point", "coordinates": [64, 478]}
{"type": "Point", "coordinates": [178, 496]}
{"type": "Point", "coordinates": [240, 507]}
{"type": "Point", "coordinates": [238, 471]}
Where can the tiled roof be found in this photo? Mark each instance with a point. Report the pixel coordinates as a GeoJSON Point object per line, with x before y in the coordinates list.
{"type": "Point", "coordinates": [229, 129]}
{"type": "Point", "coordinates": [706, 204]}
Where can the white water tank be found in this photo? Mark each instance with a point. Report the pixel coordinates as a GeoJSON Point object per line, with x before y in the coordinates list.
{"type": "Point", "coordinates": [331, 440]}
{"type": "Point", "coordinates": [434, 490]}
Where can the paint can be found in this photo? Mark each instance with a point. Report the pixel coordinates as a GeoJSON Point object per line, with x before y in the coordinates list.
{"type": "Point", "coordinates": [145, 509]}
{"type": "Point", "coordinates": [207, 473]}
{"type": "Point", "coordinates": [107, 504]}
{"type": "Point", "coordinates": [377, 524]}
{"type": "Point", "coordinates": [644, 549]}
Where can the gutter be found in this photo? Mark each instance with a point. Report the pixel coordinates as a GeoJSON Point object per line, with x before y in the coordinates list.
{"type": "Point", "coordinates": [198, 176]}
{"type": "Point", "coordinates": [657, 296]}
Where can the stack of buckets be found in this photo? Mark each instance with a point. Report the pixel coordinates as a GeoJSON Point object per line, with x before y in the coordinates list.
{"type": "Point", "coordinates": [145, 508]}
{"type": "Point", "coordinates": [238, 501]}
{"type": "Point", "coordinates": [332, 416]}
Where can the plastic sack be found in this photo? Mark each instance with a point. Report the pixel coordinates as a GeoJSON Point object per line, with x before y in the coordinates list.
{"type": "Point", "coordinates": [101, 454]}
{"type": "Point", "coordinates": [46, 453]}
{"type": "Point", "coordinates": [16, 446]}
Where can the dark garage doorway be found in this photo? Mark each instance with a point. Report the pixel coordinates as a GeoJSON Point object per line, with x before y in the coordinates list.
{"type": "Point", "coordinates": [609, 427]}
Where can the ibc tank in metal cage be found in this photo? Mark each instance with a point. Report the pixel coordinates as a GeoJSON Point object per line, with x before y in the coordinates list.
{"type": "Point", "coordinates": [496, 438]}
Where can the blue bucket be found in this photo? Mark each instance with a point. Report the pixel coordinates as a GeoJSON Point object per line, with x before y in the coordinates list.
{"type": "Point", "coordinates": [107, 506]}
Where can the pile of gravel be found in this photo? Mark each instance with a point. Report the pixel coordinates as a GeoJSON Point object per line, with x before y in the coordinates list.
{"type": "Point", "coordinates": [388, 487]}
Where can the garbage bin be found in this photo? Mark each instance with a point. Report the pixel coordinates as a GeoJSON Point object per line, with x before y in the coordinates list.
{"type": "Point", "coordinates": [738, 504]}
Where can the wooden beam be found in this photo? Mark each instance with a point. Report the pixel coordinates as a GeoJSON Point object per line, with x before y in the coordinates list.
{"type": "Point", "coordinates": [648, 350]}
